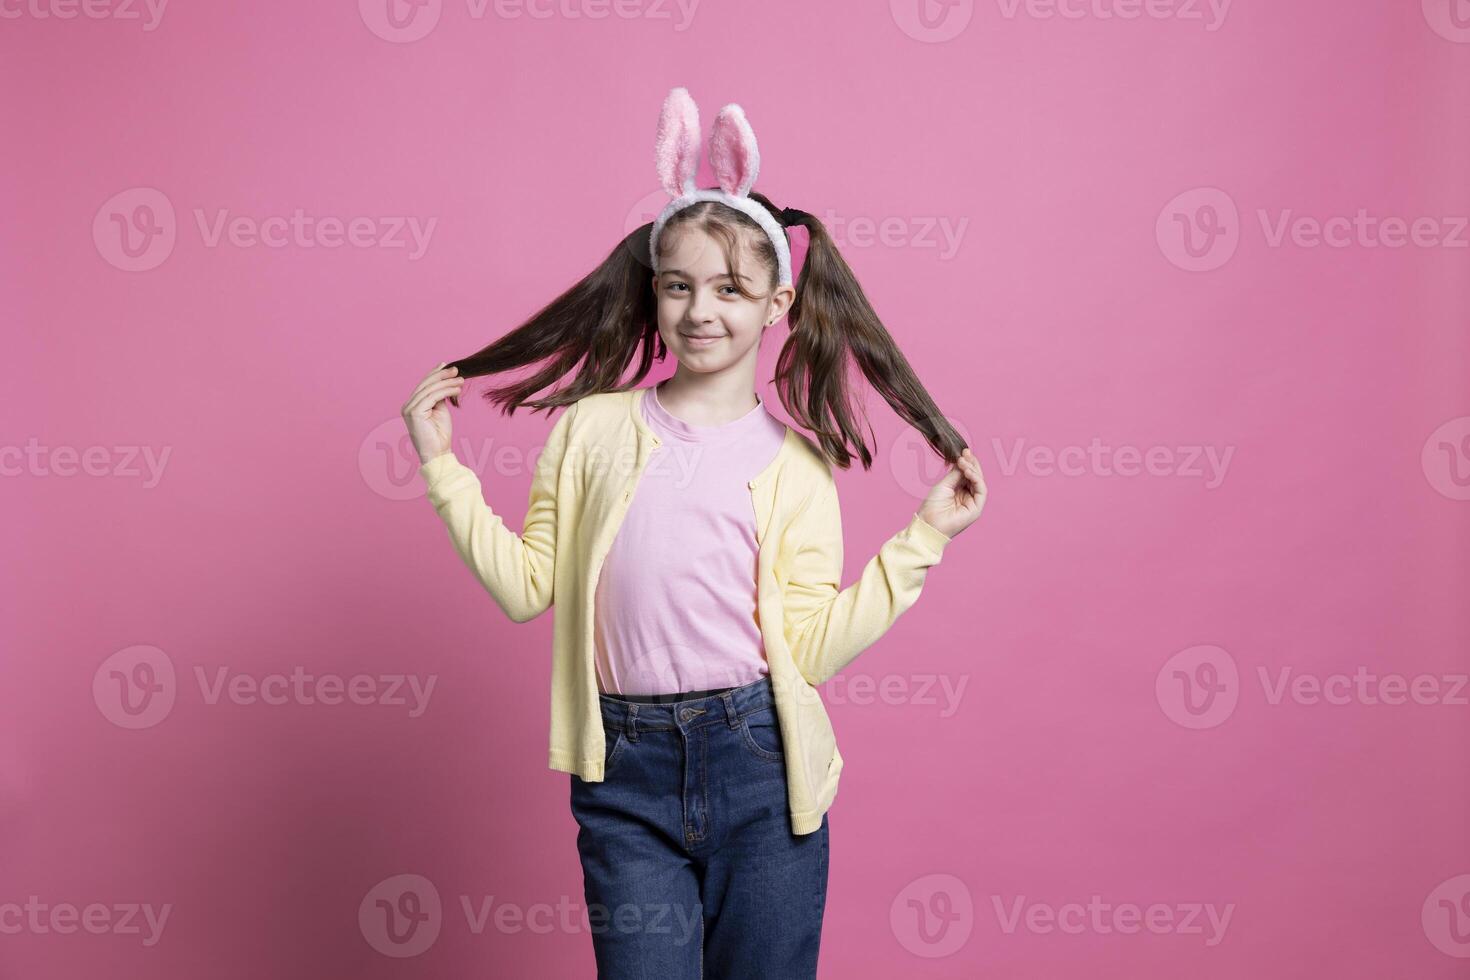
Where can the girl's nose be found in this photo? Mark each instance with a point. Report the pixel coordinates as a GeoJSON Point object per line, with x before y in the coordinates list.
{"type": "Point", "coordinates": [701, 310]}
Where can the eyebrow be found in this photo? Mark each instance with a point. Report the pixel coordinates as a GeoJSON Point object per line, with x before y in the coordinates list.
{"type": "Point", "coordinates": [685, 275]}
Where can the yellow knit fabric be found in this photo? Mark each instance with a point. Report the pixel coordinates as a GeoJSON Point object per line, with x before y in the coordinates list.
{"type": "Point", "coordinates": [812, 628]}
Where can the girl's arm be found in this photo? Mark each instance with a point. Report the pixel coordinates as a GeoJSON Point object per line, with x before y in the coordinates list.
{"type": "Point", "coordinates": [517, 570]}
{"type": "Point", "coordinates": [827, 628]}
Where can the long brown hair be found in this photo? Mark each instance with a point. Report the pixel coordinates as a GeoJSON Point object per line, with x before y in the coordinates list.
{"type": "Point", "coordinates": [607, 321]}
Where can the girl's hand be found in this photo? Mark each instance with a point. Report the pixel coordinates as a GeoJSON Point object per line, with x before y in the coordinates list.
{"type": "Point", "coordinates": [426, 414]}
{"type": "Point", "coordinates": [955, 502]}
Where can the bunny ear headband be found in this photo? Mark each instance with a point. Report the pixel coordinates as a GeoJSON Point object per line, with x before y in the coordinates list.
{"type": "Point", "coordinates": [736, 161]}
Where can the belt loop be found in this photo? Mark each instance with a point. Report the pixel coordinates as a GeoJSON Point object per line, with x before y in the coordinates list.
{"type": "Point", "coordinates": [730, 716]}
{"type": "Point", "coordinates": [632, 723]}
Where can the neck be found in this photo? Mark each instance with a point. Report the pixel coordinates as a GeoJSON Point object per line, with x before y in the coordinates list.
{"type": "Point", "coordinates": [708, 399]}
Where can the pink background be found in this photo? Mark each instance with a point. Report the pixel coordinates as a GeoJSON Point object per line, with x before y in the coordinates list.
{"type": "Point", "coordinates": [289, 529]}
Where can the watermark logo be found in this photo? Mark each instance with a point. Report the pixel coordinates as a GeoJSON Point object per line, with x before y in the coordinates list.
{"type": "Point", "coordinates": [401, 916]}
{"type": "Point", "coordinates": [1446, 917]}
{"type": "Point", "coordinates": [135, 687]}
{"type": "Point", "coordinates": [1199, 229]}
{"type": "Point", "coordinates": [1450, 19]}
{"type": "Point", "coordinates": [933, 916]}
{"type": "Point", "coordinates": [1446, 458]}
{"type": "Point", "coordinates": [388, 463]}
{"type": "Point", "coordinates": [1198, 687]}
{"type": "Point", "coordinates": [400, 21]}
{"type": "Point", "coordinates": [932, 21]}
{"type": "Point", "coordinates": [914, 464]}
{"type": "Point", "coordinates": [645, 211]}
{"type": "Point", "coordinates": [135, 230]}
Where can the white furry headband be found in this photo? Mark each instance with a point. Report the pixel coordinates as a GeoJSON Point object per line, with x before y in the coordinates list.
{"type": "Point", "coordinates": [736, 161]}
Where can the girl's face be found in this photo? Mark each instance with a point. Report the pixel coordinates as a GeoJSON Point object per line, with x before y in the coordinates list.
{"type": "Point", "coordinates": [702, 317]}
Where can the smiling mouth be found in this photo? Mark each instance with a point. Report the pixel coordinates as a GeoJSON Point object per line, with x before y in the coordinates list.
{"type": "Point", "coordinates": [700, 341]}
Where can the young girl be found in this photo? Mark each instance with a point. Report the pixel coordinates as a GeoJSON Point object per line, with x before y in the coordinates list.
{"type": "Point", "coordinates": [691, 544]}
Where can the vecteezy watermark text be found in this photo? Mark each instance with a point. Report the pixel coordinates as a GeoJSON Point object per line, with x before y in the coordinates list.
{"type": "Point", "coordinates": [39, 918]}
{"type": "Point", "coordinates": [136, 687]}
{"type": "Point", "coordinates": [406, 21]}
{"type": "Point", "coordinates": [1200, 230]}
{"type": "Point", "coordinates": [1099, 459]}
{"type": "Point", "coordinates": [1106, 918]}
{"type": "Point", "coordinates": [300, 687]}
{"type": "Point", "coordinates": [37, 460]}
{"type": "Point", "coordinates": [136, 230]}
{"type": "Point", "coordinates": [148, 12]}
{"type": "Point", "coordinates": [403, 915]}
{"type": "Point", "coordinates": [1200, 686]}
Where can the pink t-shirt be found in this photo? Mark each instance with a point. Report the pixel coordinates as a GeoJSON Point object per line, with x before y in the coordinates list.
{"type": "Point", "coordinates": [675, 603]}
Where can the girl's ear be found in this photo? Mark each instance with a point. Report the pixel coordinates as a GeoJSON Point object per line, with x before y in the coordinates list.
{"type": "Point", "coordinates": [733, 152]}
{"type": "Point", "coordinates": [676, 147]}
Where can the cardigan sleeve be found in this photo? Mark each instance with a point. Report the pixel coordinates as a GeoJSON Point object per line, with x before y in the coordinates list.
{"type": "Point", "coordinates": [827, 626]}
{"type": "Point", "coordinates": [517, 570]}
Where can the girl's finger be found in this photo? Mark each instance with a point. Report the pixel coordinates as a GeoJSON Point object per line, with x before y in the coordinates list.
{"type": "Point", "coordinates": [433, 400]}
{"type": "Point", "coordinates": [435, 376]}
{"type": "Point", "coordinates": [429, 379]}
{"type": "Point", "coordinates": [443, 389]}
{"type": "Point", "coordinates": [435, 393]}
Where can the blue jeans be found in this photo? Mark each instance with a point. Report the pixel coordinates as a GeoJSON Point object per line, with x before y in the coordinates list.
{"type": "Point", "coordinates": [689, 865]}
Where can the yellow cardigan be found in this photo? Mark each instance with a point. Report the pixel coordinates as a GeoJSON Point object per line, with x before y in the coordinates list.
{"type": "Point", "coordinates": [583, 481]}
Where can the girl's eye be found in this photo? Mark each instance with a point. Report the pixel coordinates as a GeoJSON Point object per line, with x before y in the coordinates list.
{"type": "Point", "coordinates": [732, 290]}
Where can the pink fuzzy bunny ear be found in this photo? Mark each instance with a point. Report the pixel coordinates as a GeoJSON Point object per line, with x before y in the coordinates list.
{"type": "Point", "coordinates": [733, 153]}
{"type": "Point", "coordinates": [676, 148]}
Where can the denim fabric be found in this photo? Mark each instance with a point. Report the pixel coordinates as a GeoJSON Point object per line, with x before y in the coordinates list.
{"type": "Point", "coordinates": [690, 868]}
